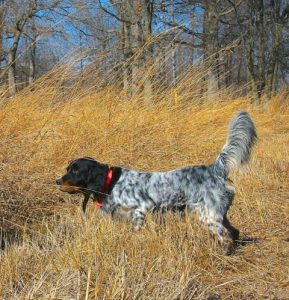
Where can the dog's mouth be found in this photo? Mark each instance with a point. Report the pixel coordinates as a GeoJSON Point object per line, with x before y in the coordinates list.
{"type": "Point", "coordinates": [67, 187]}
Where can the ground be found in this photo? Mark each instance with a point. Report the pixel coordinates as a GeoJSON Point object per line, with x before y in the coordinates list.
{"type": "Point", "coordinates": [56, 254]}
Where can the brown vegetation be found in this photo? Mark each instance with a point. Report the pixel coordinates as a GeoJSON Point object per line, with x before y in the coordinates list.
{"type": "Point", "coordinates": [58, 255]}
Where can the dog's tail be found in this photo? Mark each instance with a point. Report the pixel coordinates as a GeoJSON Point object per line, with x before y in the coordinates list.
{"type": "Point", "coordinates": [241, 138]}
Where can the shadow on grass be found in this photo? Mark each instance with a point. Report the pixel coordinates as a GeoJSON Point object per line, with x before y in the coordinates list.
{"type": "Point", "coordinates": [239, 244]}
{"type": "Point", "coordinates": [9, 237]}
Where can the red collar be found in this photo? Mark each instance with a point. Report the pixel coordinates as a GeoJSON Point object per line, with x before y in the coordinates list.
{"type": "Point", "coordinates": [99, 202]}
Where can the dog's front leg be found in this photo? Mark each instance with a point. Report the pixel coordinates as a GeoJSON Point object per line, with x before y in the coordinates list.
{"type": "Point", "coordinates": [84, 203]}
{"type": "Point", "coordinates": [138, 219]}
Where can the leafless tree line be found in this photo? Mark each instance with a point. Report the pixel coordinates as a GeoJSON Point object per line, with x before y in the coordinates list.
{"type": "Point", "coordinates": [242, 43]}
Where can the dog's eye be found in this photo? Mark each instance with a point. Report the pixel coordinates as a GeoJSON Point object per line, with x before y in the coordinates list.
{"type": "Point", "coordinates": [74, 171]}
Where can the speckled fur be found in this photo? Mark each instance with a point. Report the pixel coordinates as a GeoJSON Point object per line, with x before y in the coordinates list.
{"type": "Point", "coordinates": [204, 189]}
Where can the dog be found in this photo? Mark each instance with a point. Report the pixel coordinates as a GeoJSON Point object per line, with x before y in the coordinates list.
{"type": "Point", "coordinates": [205, 189]}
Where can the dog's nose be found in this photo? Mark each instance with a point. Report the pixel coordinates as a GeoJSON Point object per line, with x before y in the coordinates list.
{"type": "Point", "coordinates": [58, 181]}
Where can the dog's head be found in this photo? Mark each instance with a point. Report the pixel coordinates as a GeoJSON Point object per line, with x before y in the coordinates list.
{"type": "Point", "coordinates": [84, 175]}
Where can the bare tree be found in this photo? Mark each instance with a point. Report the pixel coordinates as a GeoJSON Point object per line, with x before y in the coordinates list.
{"type": "Point", "coordinates": [2, 22]}
{"type": "Point", "coordinates": [19, 14]}
{"type": "Point", "coordinates": [240, 42]}
{"type": "Point", "coordinates": [16, 30]}
{"type": "Point", "coordinates": [135, 18]}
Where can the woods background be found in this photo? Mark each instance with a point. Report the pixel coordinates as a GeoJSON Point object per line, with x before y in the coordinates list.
{"type": "Point", "coordinates": [152, 86]}
{"type": "Point", "coordinates": [241, 44]}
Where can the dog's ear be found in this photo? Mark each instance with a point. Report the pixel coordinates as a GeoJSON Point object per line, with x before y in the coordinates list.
{"type": "Point", "coordinates": [89, 158]}
{"type": "Point", "coordinates": [97, 176]}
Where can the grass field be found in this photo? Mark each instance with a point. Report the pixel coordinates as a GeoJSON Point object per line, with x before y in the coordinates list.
{"type": "Point", "coordinates": [55, 254]}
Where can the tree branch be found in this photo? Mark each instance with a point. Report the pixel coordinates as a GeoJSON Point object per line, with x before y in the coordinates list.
{"type": "Point", "coordinates": [112, 14]}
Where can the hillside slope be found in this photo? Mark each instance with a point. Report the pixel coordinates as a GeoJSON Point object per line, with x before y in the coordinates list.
{"type": "Point", "coordinates": [58, 255]}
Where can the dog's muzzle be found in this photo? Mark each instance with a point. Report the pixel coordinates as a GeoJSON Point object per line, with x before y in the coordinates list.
{"type": "Point", "coordinates": [59, 181]}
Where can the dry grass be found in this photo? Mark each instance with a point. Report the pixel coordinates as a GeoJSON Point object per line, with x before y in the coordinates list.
{"type": "Point", "coordinates": [61, 256]}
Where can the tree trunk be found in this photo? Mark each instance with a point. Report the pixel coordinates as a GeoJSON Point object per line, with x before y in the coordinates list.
{"type": "Point", "coordinates": [2, 51]}
{"type": "Point", "coordinates": [146, 29]}
{"type": "Point", "coordinates": [252, 76]}
{"type": "Point", "coordinates": [136, 31]}
{"type": "Point", "coordinates": [12, 65]}
{"type": "Point", "coordinates": [277, 47]}
{"type": "Point", "coordinates": [19, 26]}
{"type": "Point", "coordinates": [127, 54]}
{"type": "Point", "coordinates": [32, 63]}
{"type": "Point", "coordinates": [11, 72]}
{"type": "Point", "coordinates": [1, 30]}
{"type": "Point", "coordinates": [211, 47]}
{"type": "Point", "coordinates": [261, 48]}
{"type": "Point", "coordinates": [173, 51]}
{"type": "Point", "coordinates": [32, 56]}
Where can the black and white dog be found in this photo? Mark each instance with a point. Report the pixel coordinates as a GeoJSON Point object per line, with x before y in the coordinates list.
{"type": "Point", "coordinates": [206, 189]}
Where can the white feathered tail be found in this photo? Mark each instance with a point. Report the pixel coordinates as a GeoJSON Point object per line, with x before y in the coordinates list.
{"type": "Point", "coordinates": [241, 138]}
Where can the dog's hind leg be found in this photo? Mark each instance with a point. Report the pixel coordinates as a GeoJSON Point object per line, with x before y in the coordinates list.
{"type": "Point", "coordinates": [213, 220]}
{"type": "Point", "coordinates": [233, 232]}
{"type": "Point", "coordinates": [220, 226]}
{"type": "Point", "coordinates": [228, 195]}
{"type": "Point", "coordinates": [215, 224]}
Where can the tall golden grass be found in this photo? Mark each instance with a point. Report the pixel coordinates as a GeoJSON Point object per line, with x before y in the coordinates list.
{"type": "Point", "coordinates": [59, 255]}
